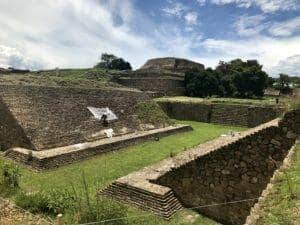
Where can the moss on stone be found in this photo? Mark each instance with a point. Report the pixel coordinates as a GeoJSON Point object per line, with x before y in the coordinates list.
{"type": "Point", "coordinates": [149, 112]}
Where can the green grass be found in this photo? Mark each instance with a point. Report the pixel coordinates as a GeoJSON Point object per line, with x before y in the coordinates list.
{"type": "Point", "coordinates": [282, 205]}
{"type": "Point", "coordinates": [103, 169]}
{"type": "Point", "coordinates": [262, 101]}
{"type": "Point", "coordinates": [91, 78]}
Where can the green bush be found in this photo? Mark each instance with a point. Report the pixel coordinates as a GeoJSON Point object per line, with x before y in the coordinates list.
{"type": "Point", "coordinates": [102, 210]}
{"type": "Point", "coordinates": [36, 202]}
{"type": "Point", "coordinates": [10, 175]}
{"type": "Point", "coordinates": [89, 208]}
{"type": "Point", "coordinates": [59, 201]}
{"type": "Point", "coordinates": [51, 203]}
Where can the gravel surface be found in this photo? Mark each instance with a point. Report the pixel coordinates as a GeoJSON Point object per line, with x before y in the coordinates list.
{"type": "Point", "coordinates": [11, 215]}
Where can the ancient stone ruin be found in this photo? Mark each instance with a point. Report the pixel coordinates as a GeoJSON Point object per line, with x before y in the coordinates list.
{"type": "Point", "coordinates": [162, 76]}
{"type": "Point", "coordinates": [56, 126]}
{"type": "Point", "coordinates": [221, 113]}
{"type": "Point", "coordinates": [228, 169]}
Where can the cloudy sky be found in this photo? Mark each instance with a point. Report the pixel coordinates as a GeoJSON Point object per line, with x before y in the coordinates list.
{"type": "Point", "coordinates": [44, 34]}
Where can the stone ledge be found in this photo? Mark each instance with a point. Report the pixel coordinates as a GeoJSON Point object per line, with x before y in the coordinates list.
{"type": "Point", "coordinates": [56, 157]}
{"type": "Point", "coordinates": [142, 181]}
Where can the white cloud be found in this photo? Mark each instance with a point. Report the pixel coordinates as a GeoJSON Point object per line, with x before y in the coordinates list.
{"type": "Point", "coordinates": [67, 33]}
{"type": "Point", "coordinates": [11, 57]}
{"type": "Point", "coordinates": [177, 42]}
{"type": "Point", "coordinates": [267, 6]}
{"type": "Point", "coordinates": [72, 33]}
{"type": "Point", "coordinates": [286, 28]}
{"type": "Point", "coordinates": [174, 9]}
{"type": "Point", "coordinates": [250, 25]}
{"type": "Point", "coordinates": [191, 18]}
{"type": "Point", "coordinates": [201, 2]}
{"type": "Point", "coordinates": [268, 51]}
{"type": "Point", "coordinates": [290, 66]}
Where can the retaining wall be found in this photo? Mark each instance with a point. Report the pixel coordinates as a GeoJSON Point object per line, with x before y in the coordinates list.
{"type": "Point", "coordinates": [53, 158]}
{"type": "Point", "coordinates": [220, 113]}
{"type": "Point", "coordinates": [170, 86]}
{"type": "Point", "coordinates": [11, 133]}
{"type": "Point", "coordinates": [54, 116]}
{"type": "Point", "coordinates": [235, 172]}
{"type": "Point", "coordinates": [221, 179]}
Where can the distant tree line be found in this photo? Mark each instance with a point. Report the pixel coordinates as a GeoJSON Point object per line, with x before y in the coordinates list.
{"type": "Point", "coordinates": [233, 79]}
{"type": "Point", "coordinates": [284, 83]}
{"type": "Point", "coordinates": [112, 62]}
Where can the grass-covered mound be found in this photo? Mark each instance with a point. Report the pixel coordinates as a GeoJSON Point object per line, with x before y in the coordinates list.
{"type": "Point", "coordinates": [90, 78]}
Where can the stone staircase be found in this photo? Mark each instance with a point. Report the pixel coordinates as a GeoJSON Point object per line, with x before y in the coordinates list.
{"type": "Point", "coordinates": [162, 204]}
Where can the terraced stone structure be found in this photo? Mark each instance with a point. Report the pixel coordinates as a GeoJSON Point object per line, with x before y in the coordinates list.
{"type": "Point", "coordinates": [163, 76]}
{"type": "Point", "coordinates": [47, 127]}
{"type": "Point", "coordinates": [221, 113]}
{"type": "Point", "coordinates": [221, 179]}
{"type": "Point", "coordinates": [54, 116]}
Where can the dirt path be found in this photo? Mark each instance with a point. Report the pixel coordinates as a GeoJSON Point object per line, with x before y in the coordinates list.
{"type": "Point", "coordinates": [11, 215]}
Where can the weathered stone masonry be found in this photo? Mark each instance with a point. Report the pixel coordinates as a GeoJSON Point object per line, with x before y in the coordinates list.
{"type": "Point", "coordinates": [221, 113]}
{"type": "Point", "coordinates": [11, 133]}
{"type": "Point", "coordinates": [56, 157]}
{"type": "Point", "coordinates": [234, 172]}
{"type": "Point", "coordinates": [53, 116]}
{"type": "Point", "coordinates": [163, 76]}
{"type": "Point", "coordinates": [227, 169]}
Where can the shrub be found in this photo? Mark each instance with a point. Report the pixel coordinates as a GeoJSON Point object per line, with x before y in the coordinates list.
{"type": "Point", "coordinates": [77, 205]}
{"type": "Point", "coordinates": [36, 202]}
{"type": "Point", "coordinates": [102, 210]}
{"type": "Point", "coordinates": [89, 210]}
{"type": "Point", "coordinates": [59, 201]}
{"type": "Point", "coordinates": [11, 175]}
{"type": "Point", "coordinates": [52, 203]}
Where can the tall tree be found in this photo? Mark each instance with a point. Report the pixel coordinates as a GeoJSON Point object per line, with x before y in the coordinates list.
{"type": "Point", "coordinates": [110, 61]}
{"type": "Point", "coordinates": [283, 84]}
{"type": "Point", "coordinates": [201, 83]}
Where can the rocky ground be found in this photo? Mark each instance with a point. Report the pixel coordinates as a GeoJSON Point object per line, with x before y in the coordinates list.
{"type": "Point", "coordinates": [11, 215]}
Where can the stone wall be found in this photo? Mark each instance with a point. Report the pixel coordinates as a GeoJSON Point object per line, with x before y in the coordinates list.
{"type": "Point", "coordinates": [53, 158]}
{"type": "Point", "coordinates": [171, 64]}
{"type": "Point", "coordinates": [53, 116]}
{"type": "Point", "coordinates": [221, 113]}
{"type": "Point", "coordinates": [11, 133]}
{"type": "Point", "coordinates": [236, 173]}
{"type": "Point", "coordinates": [164, 76]}
{"type": "Point", "coordinates": [170, 86]}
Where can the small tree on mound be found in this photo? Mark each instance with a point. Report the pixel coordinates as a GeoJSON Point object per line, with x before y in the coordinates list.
{"type": "Point", "coordinates": [112, 62]}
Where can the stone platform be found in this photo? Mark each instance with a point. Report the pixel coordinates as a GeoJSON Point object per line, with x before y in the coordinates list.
{"type": "Point", "coordinates": [56, 157]}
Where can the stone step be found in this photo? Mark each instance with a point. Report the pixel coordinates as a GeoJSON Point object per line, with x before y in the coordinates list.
{"type": "Point", "coordinates": [164, 208]}
{"type": "Point", "coordinates": [166, 205]}
{"type": "Point", "coordinates": [161, 200]}
{"type": "Point", "coordinates": [167, 214]}
{"type": "Point", "coordinates": [162, 205]}
{"type": "Point", "coordinates": [170, 193]}
{"type": "Point", "coordinates": [138, 189]}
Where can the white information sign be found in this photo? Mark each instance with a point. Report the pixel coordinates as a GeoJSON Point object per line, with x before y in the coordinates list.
{"type": "Point", "coordinates": [99, 112]}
